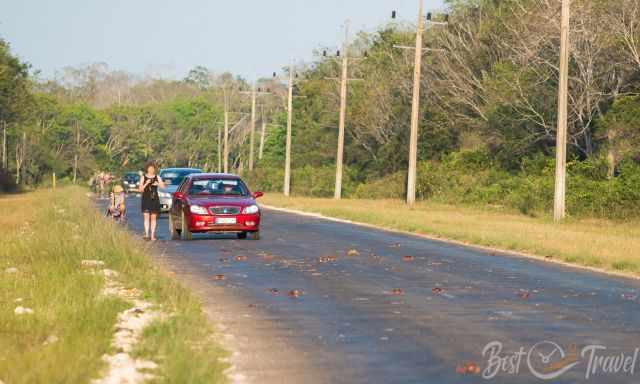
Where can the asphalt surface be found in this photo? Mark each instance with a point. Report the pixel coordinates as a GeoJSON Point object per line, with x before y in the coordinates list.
{"type": "Point", "coordinates": [380, 307]}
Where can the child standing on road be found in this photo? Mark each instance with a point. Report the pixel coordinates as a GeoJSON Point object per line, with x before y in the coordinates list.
{"type": "Point", "coordinates": [117, 207]}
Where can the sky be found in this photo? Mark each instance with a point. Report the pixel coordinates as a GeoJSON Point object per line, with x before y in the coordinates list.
{"type": "Point", "coordinates": [166, 38]}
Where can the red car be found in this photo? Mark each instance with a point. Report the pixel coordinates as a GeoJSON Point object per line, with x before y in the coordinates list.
{"type": "Point", "coordinates": [214, 202]}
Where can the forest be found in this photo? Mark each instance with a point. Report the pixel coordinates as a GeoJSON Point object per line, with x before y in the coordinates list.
{"type": "Point", "coordinates": [487, 122]}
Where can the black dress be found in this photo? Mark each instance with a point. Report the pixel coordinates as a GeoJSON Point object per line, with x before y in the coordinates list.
{"type": "Point", "coordinates": [150, 198]}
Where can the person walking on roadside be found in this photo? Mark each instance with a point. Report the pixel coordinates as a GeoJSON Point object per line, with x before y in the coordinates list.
{"type": "Point", "coordinates": [149, 184]}
{"type": "Point", "coordinates": [101, 183]}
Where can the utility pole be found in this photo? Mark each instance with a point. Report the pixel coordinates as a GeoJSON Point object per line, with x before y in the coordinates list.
{"type": "Point", "coordinates": [262, 133]}
{"type": "Point", "coordinates": [226, 137]}
{"type": "Point", "coordinates": [344, 81]}
{"type": "Point", "coordinates": [24, 156]}
{"type": "Point", "coordinates": [343, 110]}
{"type": "Point", "coordinates": [415, 103]}
{"type": "Point", "coordinates": [18, 162]}
{"type": "Point", "coordinates": [227, 103]}
{"type": "Point", "coordinates": [4, 144]}
{"type": "Point", "coordinates": [238, 140]}
{"type": "Point", "coordinates": [219, 149]}
{"type": "Point", "coordinates": [415, 110]}
{"type": "Point", "coordinates": [287, 161]}
{"type": "Point", "coordinates": [254, 94]}
{"type": "Point", "coordinates": [253, 127]}
{"type": "Point", "coordinates": [77, 154]}
{"type": "Point", "coordinates": [561, 139]}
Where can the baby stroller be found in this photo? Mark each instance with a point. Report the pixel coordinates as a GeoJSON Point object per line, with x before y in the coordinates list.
{"type": "Point", "coordinates": [117, 210]}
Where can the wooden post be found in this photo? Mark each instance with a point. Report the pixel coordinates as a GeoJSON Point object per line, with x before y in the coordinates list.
{"type": "Point", "coordinates": [253, 127]}
{"type": "Point", "coordinates": [262, 133]}
{"type": "Point", "coordinates": [561, 135]}
{"type": "Point", "coordinates": [287, 162]}
{"type": "Point", "coordinates": [415, 110]}
{"type": "Point", "coordinates": [53, 181]}
{"type": "Point", "coordinates": [343, 110]}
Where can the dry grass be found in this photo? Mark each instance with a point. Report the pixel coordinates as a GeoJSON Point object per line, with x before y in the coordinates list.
{"type": "Point", "coordinates": [602, 244]}
{"type": "Point", "coordinates": [45, 235]}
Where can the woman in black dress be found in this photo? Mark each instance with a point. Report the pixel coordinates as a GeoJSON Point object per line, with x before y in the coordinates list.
{"type": "Point", "coordinates": [149, 184]}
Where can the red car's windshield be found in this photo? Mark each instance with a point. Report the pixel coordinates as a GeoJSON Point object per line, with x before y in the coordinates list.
{"type": "Point", "coordinates": [218, 187]}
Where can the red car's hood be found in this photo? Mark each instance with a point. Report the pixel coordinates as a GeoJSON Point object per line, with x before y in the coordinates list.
{"type": "Point", "coordinates": [209, 201]}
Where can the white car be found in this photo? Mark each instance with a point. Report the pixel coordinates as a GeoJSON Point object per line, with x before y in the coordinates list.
{"type": "Point", "coordinates": [172, 178]}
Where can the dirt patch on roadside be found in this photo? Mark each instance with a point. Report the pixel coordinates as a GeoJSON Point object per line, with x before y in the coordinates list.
{"type": "Point", "coordinates": [122, 367]}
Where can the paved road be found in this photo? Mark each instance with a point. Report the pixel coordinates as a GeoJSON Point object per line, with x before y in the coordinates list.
{"type": "Point", "coordinates": [402, 310]}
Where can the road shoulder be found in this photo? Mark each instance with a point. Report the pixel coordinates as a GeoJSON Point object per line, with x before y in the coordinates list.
{"type": "Point", "coordinates": [260, 349]}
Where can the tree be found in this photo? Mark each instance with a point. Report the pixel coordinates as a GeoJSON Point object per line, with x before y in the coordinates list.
{"type": "Point", "coordinates": [199, 76]}
{"type": "Point", "coordinates": [15, 101]}
{"type": "Point", "coordinates": [620, 127]}
{"type": "Point", "coordinates": [15, 97]}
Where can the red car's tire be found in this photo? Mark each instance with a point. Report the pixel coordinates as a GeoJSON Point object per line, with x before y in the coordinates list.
{"type": "Point", "coordinates": [242, 235]}
{"type": "Point", "coordinates": [185, 233]}
{"type": "Point", "coordinates": [253, 235]}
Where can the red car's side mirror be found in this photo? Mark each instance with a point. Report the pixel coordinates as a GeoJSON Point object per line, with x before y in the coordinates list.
{"type": "Point", "coordinates": [257, 194]}
{"type": "Point", "coordinates": [178, 195]}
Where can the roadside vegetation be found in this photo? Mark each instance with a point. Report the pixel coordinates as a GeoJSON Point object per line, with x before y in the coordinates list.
{"type": "Point", "coordinates": [600, 243]}
{"type": "Point", "coordinates": [472, 179]}
{"type": "Point", "coordinates": [66, 323]}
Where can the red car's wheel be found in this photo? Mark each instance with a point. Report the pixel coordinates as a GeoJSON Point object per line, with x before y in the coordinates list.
{"type": "Point", "coordinates": [254, 235]}
{"type": "Point", "coordinates": [185, 233]}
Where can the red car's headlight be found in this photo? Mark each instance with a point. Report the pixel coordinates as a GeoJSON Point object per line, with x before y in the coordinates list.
{"type": "Point", "coordinates": [198, 210]}
{"type": "Point", "coordinates": [251, 209]}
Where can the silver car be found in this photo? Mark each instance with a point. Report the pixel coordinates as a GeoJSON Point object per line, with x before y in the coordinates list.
{"type": "Point", "coordinates": [172, 178]}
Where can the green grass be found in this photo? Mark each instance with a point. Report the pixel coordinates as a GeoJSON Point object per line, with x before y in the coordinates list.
{"type": "Point", "coordinates": [605, 244]}
{"type": "Point", "coordinates": [45, 235]}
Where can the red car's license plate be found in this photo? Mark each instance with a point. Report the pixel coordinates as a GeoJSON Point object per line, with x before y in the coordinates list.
{"type": "Point", "coordinates": [225, 220]}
